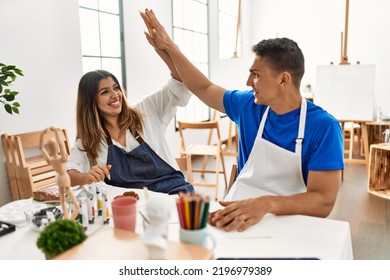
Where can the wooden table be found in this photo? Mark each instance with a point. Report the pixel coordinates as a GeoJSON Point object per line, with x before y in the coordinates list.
{"type": "Point", "coordinates": [273, 237]}
{"type": "Point", "coordinates": [110, 243]}
{"type": "Point", "coordinates": [372, 133]}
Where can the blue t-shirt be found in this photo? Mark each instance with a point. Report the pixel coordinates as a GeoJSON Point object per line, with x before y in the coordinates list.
{"type": "Point", "coordinates": [322, 147]}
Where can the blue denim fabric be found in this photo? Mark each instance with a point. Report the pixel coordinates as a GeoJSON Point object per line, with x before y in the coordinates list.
{"type": "Point", "coordinates": [143, 167]}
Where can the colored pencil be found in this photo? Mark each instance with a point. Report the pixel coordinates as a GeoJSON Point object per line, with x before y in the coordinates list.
{"type": "Point", "coordinates": [180, 212]}
{"type": "Point", "coordinates": [196, 218]}
{"type": "Point", "coordinates": [193, 210]}
{"type": "Point", "coordinates": [187, 218]}
{"type": "Point", "coordinates": [206, 212]}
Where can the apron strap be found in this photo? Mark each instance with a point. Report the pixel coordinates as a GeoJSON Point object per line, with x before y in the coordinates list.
{"type": "Point", "coordinates": [135, 135]}
{"type": "Point", "coordinates": [138, 138]}
{"type": "Point", "coordinates": [301, 129]}
{"type": "Point", "coordinates": [109, 142]}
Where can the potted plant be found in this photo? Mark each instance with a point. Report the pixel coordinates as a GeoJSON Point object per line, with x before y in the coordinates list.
{"type": "Point", "coordinates": [59, 236]}
{"type": "Point", "coordinates": [8, 74]}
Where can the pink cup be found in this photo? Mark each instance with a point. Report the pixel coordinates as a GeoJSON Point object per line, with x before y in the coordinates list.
{"type": "Point", "coordinates": [124, 213]}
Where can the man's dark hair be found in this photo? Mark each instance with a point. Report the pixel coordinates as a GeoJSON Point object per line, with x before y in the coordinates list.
{"type": "Point", "coordinates": [282, 54]}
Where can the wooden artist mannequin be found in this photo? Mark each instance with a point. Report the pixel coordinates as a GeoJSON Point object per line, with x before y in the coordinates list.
{"type": "Point", "coordinates": [57, 158]}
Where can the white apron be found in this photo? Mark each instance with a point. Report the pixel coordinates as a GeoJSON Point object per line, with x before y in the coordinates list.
{"type": "Point", "coordinates": [270, 169]}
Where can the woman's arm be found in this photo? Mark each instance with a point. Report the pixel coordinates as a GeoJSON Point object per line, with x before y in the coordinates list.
{"type": "Point", "coordinates": [96, 174]}
{"type": "Point", "coordinates": [168, 61]}
{"type": "Point", "coordinates": [80, 170]}
{"type": "Point", "coordinates": [162, 53]}
{"type": "Point", "coordinates": [211, 94]}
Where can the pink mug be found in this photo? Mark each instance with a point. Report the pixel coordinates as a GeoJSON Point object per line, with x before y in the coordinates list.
{"type": "Point", "coordinates": [124, 213]}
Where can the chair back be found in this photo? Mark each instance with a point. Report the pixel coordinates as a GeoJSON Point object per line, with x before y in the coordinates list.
{"type": "Point", "coordinates": [233, 177]}
{"type": "Point", "coordinates": [205, 150]}
{"type": "Point", "coordinates": [27, 169]}
{"type": "Point", "coordinates": [209, 125]}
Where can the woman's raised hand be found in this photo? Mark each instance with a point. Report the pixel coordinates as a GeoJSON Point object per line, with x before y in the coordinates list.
{"type": "Point", "coordinates": [156, 35]}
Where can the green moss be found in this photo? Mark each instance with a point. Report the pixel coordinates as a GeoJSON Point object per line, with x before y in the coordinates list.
{"type": "Point", "coordinates": [59, 236]}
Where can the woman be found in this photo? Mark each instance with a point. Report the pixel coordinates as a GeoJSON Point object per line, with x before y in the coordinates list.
{"type": "Point", "coordinates": [125, 145]}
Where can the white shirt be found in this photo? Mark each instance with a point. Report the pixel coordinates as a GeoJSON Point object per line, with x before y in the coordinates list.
{"type": "Point", "coordinates": [157, 109]}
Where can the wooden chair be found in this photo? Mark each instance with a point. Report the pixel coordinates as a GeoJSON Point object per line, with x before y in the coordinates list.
{"type": "Point", "coordinates": [351, 129]}
{"type": "Point", "coordinates": [233, 177]}
{"type": "Point", "coordinates": [208, 150]}
{"type": "Point", "coordinates": [27, 168]}
{"type": "Point", "coordinates": [182, 162]}
{"type": "Point", "coordinates": [227, 149]}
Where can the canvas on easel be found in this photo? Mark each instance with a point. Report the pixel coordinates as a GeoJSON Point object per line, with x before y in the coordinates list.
{"type": "Point", "coordinates": [346, 91]}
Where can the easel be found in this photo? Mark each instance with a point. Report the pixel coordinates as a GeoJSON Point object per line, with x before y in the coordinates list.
{"type": "Point", "coordinates": [344, 43]}
{"type": "Point", "coordinates": [237, 29]}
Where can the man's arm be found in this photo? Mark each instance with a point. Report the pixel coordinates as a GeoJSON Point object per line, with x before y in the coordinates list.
{"type": "Point", "coordinates": [211, 94]}
{"type": "Point", "coordinates": [322, 189]}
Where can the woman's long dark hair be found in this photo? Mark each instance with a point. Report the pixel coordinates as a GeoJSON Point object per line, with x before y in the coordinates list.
{"type": "Point", "coordinates": [90, 123]}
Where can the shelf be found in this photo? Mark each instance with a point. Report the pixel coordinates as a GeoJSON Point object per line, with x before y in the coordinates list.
{"type": "Point", "coordinates": [379, 171]}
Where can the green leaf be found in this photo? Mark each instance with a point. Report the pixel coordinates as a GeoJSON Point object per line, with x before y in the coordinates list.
{"type": "Point", "coordinates": [8, 108]}
{"type": "Point", "coordinates": [8, 75]}
{"type": "Point", "coordinates": [9, 97]}
{"type": "Point", "coordinates": [19, 72]}
{"type": "Point", "coordinates": [15, 110]}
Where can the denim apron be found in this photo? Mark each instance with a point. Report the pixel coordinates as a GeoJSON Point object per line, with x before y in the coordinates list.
{"type": "Point", "coordinates": [143, 167]}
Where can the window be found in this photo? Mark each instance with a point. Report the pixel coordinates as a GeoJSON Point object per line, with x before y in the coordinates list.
{"type": "Point", "coordinates": [190, 33]}
{"type": "Point", "coordinates": [229, 29]}
{"type": "Point", "coordinates": [101, 40]}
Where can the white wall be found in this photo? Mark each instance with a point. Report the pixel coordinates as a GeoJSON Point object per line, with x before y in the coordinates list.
{"type": "Point", "coordinates": [317, 25]}
{"type": "Point", "coordinates": [146, 72]}
{"type": "Point", "coordinates": [42, 37]}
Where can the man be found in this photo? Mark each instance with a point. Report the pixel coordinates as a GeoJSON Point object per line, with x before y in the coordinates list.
{"type": "Point", "coordinates": [290, 150]}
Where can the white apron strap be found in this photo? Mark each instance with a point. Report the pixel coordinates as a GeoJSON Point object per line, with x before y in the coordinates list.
{"type": "Point", "coordinates": [301, 129]}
